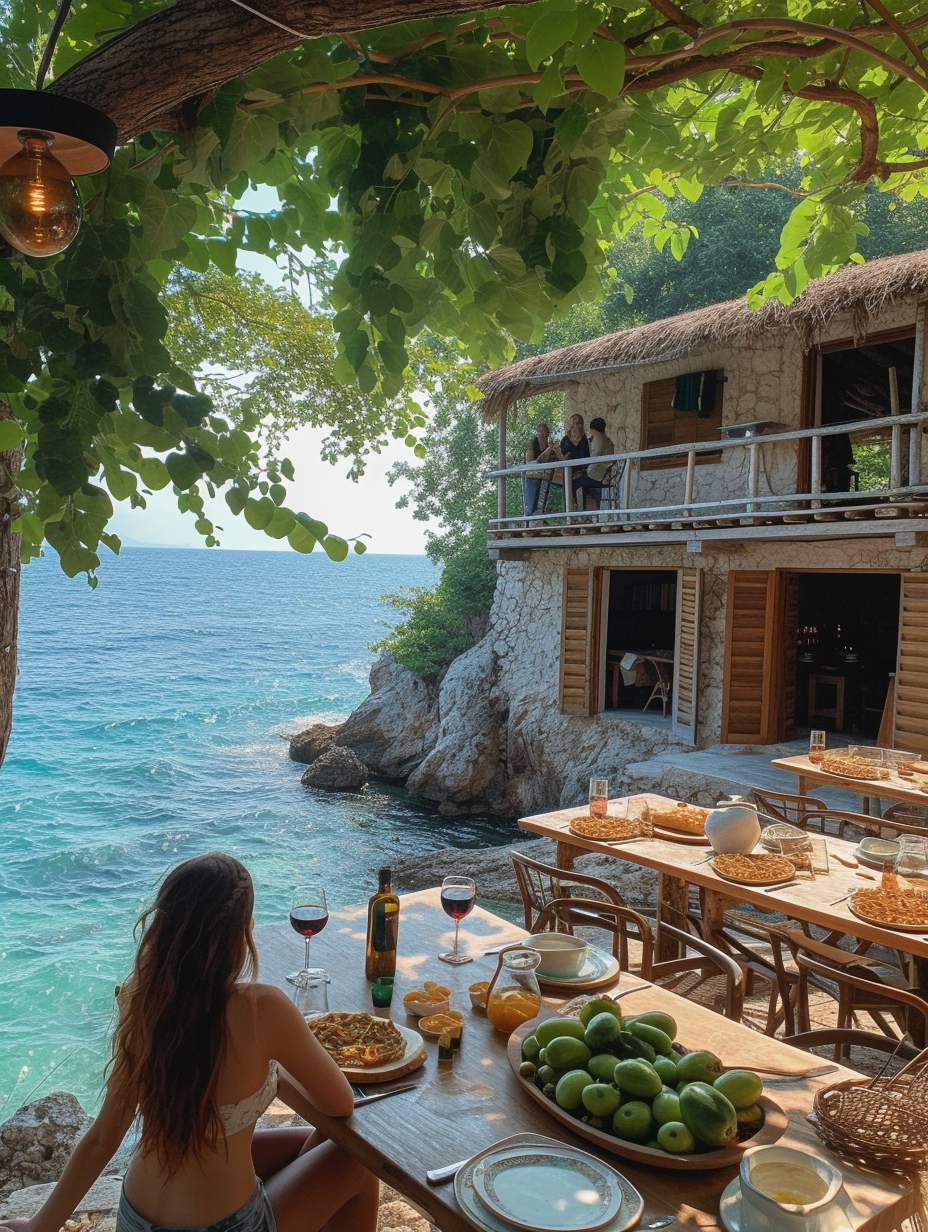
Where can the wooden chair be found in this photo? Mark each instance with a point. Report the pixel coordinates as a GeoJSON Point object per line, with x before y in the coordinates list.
{"type": "Point", "coordinates": [913, 816]}
{"type": "Point", "coordinates": [859, 984]}
{"type": "Point", "coordinates": [589, 901]}
{"type": "Point", "coordinates": [557, 900]}
{"type": "Point", "coordinates": [838, 821]}
{"type": "Point", "coordinates": [785, 805]}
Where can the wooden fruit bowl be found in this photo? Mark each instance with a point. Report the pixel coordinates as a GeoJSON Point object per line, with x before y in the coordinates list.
{"type": "Point", "coordinates": [773, 1128]}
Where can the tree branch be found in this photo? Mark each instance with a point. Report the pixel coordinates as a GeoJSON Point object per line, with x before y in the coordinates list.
{"type": "Point", "coordinates": [675, 16]}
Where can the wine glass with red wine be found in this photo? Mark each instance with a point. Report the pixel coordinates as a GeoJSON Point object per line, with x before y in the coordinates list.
{"type": "Point", "coordinates": [309, 914]}
{"type": "Point", "coordinates": [458, 895]}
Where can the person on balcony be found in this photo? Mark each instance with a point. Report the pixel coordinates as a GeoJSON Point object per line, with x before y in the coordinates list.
{"type": "Point", "coordinates": [588, 486]}
{"type": "Point", "coordinates": [574, 444]}
{"type": "Point", "coordinates": [540, 449]}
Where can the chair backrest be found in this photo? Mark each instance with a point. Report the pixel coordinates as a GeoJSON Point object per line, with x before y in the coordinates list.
{"type": "Point", "coordinates": [708, 957]}
{"type": "Point", "coordinates": [912, 816]}
{"type": "Point", "coordinates": [785, 805]}
{"type": "Point", "coordinates": [539, 884]}
{"type": "Point", "coordinates": [842, 967]}
{"type": "Point", "coordinates": [839, 820]}
{"type": "Point", "coordinates": [561, 914]}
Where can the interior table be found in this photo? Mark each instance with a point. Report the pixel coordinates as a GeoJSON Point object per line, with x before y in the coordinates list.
{"type": "Point", "coordinates": [679, 866]}
{"type": "Point", "coordinates": [869, 790]}
{"type": "Point", "coordinates": [453, 1113]}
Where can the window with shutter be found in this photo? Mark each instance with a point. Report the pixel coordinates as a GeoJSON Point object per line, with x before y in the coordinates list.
{"type": "Point", "coordinates": [911, 703]}
{"type": "Point", "coordinates": [686, 667]}
{"type": "Point", "coordinates": [748, 633]}
{"type": "Point", "coordinates": [580, 637]}
{"type": "Point", "coordinates": [661, 425]}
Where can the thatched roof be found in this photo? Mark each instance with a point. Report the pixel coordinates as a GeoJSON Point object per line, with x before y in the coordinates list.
{"type": "Point", "coordinates": [858, 290]}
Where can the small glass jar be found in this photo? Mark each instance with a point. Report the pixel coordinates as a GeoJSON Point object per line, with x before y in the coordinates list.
{"type": "Point", "coordinates": [912, 862]}
{"type": "Point", "coordinates": [514, 996]}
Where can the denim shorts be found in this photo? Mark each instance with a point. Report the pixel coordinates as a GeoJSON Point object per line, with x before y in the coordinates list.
{"type": "Point", "coordinates": [255, 1216]}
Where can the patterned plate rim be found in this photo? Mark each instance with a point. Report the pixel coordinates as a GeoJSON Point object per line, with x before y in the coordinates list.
{"type": "Point", "coordinates": [603, 1179]}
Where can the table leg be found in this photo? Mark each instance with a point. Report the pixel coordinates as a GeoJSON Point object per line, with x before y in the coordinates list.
{"type": "Point", "coordinates": [714, 906]}
{"type": "Point", "coordinates": [566, 854]}
{"type": "Point", "coordinates": [673, 897]}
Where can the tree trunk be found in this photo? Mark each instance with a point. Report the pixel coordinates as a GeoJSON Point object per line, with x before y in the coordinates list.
{"type": "Point", "coordinates": [156, 74]}
{"type": "Point", "coordinates": [9, 586]}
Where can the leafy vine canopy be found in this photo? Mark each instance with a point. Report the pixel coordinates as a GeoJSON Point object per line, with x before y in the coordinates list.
{"type": "Point", "coordinates": [467, 170]}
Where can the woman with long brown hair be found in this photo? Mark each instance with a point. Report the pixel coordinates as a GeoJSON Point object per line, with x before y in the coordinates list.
{"type": "Point", "coordinates": [196, 1055]}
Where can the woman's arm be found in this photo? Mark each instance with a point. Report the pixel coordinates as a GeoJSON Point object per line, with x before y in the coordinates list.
{"type": "Point", "coordinates": [88, 1159]}
{"type": "Point", "coordinates": [289, 1041]}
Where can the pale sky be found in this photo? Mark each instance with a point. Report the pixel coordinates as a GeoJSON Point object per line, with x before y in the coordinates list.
{"type": "Point", "coordinates": [321, 490]}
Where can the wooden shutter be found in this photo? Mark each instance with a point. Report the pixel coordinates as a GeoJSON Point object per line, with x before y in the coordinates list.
{"type": "Point", "coordinates": [911, 707]}
{"type": "Point", "coordinates": [788, 627]}
{"type": "Point", "coordinates": [748, 636]}
{"type": "Point", "coordinates": [686, 667]}
{"type": "Point", "coordinates": [580, 638]}
{"type": "Point", "coordinates": [661, 425]}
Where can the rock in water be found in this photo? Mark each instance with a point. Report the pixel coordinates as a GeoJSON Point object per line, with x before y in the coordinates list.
{"type": "Point", "coordinates": [38, 1138]}
{"type": "Point", "coordinates": [395, 726]}
{"type": "Point", "coordinates": [337, 770]}
{"type": "Point", "coordinates": [306, 746]}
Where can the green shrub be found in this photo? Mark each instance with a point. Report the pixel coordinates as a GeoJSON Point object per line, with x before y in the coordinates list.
{"type": "Point", "coordinates": [444, 621]}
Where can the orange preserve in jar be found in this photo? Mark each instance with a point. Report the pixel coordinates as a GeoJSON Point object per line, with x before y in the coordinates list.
{"type": "Point", "coordinates": [514, 996]}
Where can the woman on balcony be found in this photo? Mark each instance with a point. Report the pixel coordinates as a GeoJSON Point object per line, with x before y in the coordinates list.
{"type": "Point", "coordinates": [574, 445]}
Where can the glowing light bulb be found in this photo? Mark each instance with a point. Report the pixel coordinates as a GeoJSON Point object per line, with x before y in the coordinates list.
{"type": "Point", "coordinates": [40, 209]}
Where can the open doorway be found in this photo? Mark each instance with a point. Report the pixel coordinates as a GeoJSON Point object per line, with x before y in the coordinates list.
{"type": "Point", "coordinates": [845, 649]}
{"type": "Point", "coordinates": [858, 383]}
{"type": "Point", "coordinates": [640, 640]}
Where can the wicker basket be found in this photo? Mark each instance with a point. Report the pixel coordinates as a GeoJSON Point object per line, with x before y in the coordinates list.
{"type": "Point", "coordinates": [880, 1124]}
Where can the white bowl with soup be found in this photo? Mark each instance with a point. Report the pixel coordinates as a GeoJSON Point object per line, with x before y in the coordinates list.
{"type": "Point", "coordinates": [562, 956]}
{"type": "Point", "coordinates": [787, 1190]}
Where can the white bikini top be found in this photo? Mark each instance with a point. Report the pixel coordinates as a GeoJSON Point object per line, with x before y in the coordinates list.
{"type": "Point", "coordinates": [239, 1116]}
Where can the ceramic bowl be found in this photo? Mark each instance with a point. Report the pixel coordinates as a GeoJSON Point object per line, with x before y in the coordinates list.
{"type": "Point", "coordinates": [561, 954]}
{"type": "Point", "coordinates": [764, 1213]}
{"type": "Point", "coordinates": [478, 994]}
{"type": "Point", "coordinates": [421, 1008]}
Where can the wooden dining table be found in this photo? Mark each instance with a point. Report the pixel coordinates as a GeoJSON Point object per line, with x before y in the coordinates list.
{"type": "Point", "coordinates": [871, 791]}
{"type": "Point", "coordinates": [457, 1109]}
{"type": "Point", "coordinates": [824, 901]}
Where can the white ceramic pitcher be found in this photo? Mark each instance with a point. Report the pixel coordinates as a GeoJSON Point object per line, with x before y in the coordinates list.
{"type": "Point", "coordinates": [732, 827]}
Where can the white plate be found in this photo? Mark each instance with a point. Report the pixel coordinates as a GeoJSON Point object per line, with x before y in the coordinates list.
{"type": "Point", "coordinates": [835, 1218]}
{"type": "Point", "coordinates": [411, 1059]}
{"type": "Point", "coordinates": [599, 968]}
{"type": "Point", "coordinates": [486, 1221]}
{"type": "Point", "coordinates": [548, 1189]}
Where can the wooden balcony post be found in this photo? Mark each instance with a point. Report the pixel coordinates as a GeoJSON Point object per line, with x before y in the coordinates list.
{"type": "Point", "coordinates": [690, 479]}
{"type": "Point", "coordinates": [627, 485]}
{"type": "Point", "coordinates": [919, 393]}
{"type": "Point", "coordinates": [895, 445]}
{"type": "Point", "coordinates": [815, 485]}
{"type": "Point", "coordinates": [501, 509]}
{"type": "Point", "coordinates": [752, 476]}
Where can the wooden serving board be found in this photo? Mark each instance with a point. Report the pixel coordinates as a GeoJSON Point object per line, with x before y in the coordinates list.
{"type": "Point", "coordinates": [681, 836]}
{"type": "Point", "coordinates": [413, 1058]}
{"type": "Point", "coordinates": [773, 1128]}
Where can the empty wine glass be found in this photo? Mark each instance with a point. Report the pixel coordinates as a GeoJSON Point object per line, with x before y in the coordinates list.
{"type": "Point", "coordinates": [309, 914]}
{"type": "Point", "coordinates": [458, 895]}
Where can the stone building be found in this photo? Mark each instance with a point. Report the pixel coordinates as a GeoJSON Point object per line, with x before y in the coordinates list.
{"type": "Point", "coordinates": [758, 562]}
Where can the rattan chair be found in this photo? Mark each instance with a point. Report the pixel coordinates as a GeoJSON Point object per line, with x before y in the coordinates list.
{"type": "Point", "coordinates": [541, 886]}
{"type": "Point", "coordinates": [859, 984]}
{"type": "Point", "coordinates": [785, 805]}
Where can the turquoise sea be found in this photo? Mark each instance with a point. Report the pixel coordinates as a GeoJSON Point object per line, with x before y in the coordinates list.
{"type": "Point", "coordinates": [147, 728]}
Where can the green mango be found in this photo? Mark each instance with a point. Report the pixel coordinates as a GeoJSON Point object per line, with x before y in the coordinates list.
{"type": "Point", "coordinates": [659, 1040]}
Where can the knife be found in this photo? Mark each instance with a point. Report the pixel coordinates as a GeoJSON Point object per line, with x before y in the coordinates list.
{"type": "Point", "coordinates": [372, 1099]}
{"type": "Point", "coordinates": [784, 885]}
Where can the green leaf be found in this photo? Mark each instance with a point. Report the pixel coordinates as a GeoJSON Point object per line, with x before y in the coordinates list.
{"type": "Point", "coordinates": [259, 513]}
{"type": "Point", "coordinates": [182, 469]}
{"type": "Point", "coordinates": [281, 524]}
{"type": "Point", "coordinates": [11, 434]}
{"type": "Point", "coordinates": [254, 134]}
{"type": "Point", "coordinates": [236, 499]}
{"type": "Point", "coordinates": [154, 474]}
{"type": "Point", "coordinates": [301, 540]}
{"type": "Point", "coordinates": [506, 149]}
{"type": "Point", "coordinates": [547, 33]}
{"type": "Point", "coordinates": [601, 64]}
{"type": "Point", "coordinates": [334, 547]}
{"type": "Point", "coordinates": [359, 547]}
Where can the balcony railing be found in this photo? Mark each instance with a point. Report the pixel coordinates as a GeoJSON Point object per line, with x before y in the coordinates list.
{"type": "Point", "coordinates": [691, 508]}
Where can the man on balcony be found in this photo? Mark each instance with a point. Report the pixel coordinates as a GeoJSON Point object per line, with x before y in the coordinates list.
{"type": "Point", "coordinates": [588, 487]}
